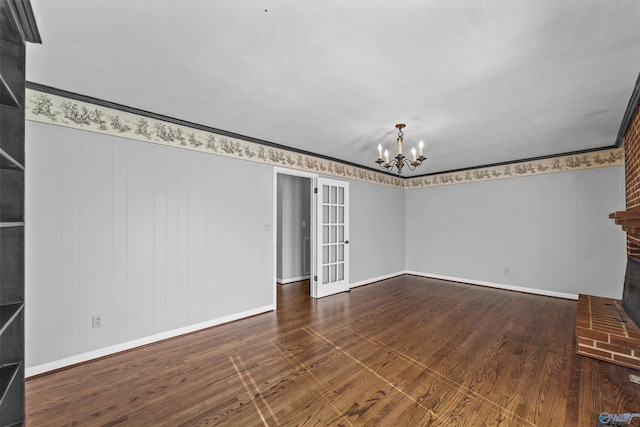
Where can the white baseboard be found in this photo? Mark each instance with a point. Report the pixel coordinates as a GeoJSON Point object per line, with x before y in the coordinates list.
{"type": "Point", "coordinates": [498, 285]}
{"type": "Point", "coordinates": [292, 279]}
{"type": "Point", "coordinates": [375, 279]}
{"type": "Point", "coordinates": [106, 351]}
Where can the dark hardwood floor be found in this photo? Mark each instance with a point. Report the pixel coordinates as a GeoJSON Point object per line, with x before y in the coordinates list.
{"type": "Point", "coordinates": [407, 351]}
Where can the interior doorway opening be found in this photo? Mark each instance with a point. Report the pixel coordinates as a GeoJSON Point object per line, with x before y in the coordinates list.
{"type": "Point", "coordinates": [294, 262]}
{"type": "Point", "coordinates": [294, 217]}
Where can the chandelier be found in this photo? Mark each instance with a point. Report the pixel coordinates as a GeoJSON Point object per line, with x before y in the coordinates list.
{"type": "Point", "coordinates": [399, 161]}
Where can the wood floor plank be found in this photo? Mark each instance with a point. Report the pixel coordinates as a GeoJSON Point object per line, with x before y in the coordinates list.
{"type": "Point", "coordinates": [407, 351]}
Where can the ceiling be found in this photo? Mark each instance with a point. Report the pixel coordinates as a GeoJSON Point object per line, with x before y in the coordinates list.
{"type": "Point", "coordinates": [480, 81]}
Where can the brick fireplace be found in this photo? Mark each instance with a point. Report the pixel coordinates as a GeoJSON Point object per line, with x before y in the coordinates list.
{"type": "Point", "coordinates": [609, 329]}
{"type": "Point", "coordinates": [604, 331]}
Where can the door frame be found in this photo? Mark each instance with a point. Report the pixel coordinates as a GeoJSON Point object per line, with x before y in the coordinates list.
{"type": "Point", "coordinates": [312, 210]}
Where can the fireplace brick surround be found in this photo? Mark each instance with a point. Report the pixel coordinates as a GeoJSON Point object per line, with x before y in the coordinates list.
{"type": "Point", "coordinates": [603, 329]}
{"type": "Point", "coordinates": [632, 184]}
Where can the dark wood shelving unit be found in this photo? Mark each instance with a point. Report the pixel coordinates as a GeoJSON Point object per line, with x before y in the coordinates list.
{"type": "Point", "coordinates": [17, 27]}
{"type": "Point", "coordinates": [7, 98]}
{"type": "Point", "coordinates": [8, 313]}
{"type": "Point", "coordinates": [7, 376]}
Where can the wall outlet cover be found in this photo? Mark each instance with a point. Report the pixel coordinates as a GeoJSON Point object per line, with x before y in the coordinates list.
{"type": "Point", "coordinates": [97, 320]}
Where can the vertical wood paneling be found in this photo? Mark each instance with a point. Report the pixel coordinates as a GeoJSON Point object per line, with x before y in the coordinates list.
{"type": "Point", "coordinates": [512, 221]}
{"type": "Point", "coordinates": [95, 231]}
{"type": "Point", "coordinates": [140, 245]}
{"type": "Point", "coordinates": [422, 226]}
{"type": "Point", "coordinates": [586, 198]}
{"type": "Point", "coordinates": [228, 246]}
{"type": "Point", "coordinates": [555, 242]}
{"type": "Point", "coordinates": [376, 230]}
{"type": "Point", "coordinates": [198, 296]}
{"type": "Point", "coordinates": [475, 221]}
{"type": "Point", "coordinates": [250, 246]}
{"type": "Point", "coordinates": [567, 220]}
{"type": "Point", "coordinates": [551, 231]}
{"type": "Point", "coordinates": [69, 243]}
{"type": "Point", "coordinates": [183, 239]}
{"type": "Point", "coordinates": [160, 239]}
{"type": "Point", "coordinates": [42, 263]}
{"type": "Point", "coordinates": [172, 260]}
{"type": "Point", "coordinates": [603, 233]}
{"type": "Point", "coordinates": [523, 241]}
{"type": "Point", "coordinates": [546, 233]}
{"type": "Point", "coordinates": [261, 226]}
{"type": "Point", "coordinates": [213, 253]}
{"type": "Point", "coordinates": [120, 250]}
{"type": "Point", "coordinates": [498, 234]}
{"type": "Point", "coordinates": [153, 238]}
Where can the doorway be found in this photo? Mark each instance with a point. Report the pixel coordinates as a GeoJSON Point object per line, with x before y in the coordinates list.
{"type": "Point", "coordinates": [294, 228]}
{"type": "Point", "coordinates": [311, 233]}
{"type": "Point", "coordinates": [294, 218]}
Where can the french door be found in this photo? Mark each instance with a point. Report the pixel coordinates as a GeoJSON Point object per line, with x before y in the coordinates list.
{"type": "Point", "coordinates": [332, 238]}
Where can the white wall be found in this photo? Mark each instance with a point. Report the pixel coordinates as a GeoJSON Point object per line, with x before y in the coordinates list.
{"type": "Point", "coordinates": [551, 231]}
{"type": "Point", "coordinates": [154, 238]}
{"type": "Point", "coordinates": [158, 239]}
{"type": "Point", "coordinates": [377, 232]}
{"type": "Point", "coordinates": [294, 216]}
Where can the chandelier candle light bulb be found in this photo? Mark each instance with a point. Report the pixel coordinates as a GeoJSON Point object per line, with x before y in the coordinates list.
{"type": "Point", "coordinates": [400, 160]}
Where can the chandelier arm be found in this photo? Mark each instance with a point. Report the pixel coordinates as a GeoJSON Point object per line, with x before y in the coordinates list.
{"type": "Point", "coordinates": [399, 162]}
{"type": "Point", "coordinates": [412, 166]}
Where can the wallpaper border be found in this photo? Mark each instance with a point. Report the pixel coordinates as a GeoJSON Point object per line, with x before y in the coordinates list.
{"type": "Point", "coordinates": [590, 160]}
{"type": "Point", "coordinates": [51, 108]}
{"type": "Point", "coordinates": [58, 110]}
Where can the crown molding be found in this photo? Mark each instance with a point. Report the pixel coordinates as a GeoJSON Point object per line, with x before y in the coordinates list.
{"type": "Point", "coordinates": [629, 114]}
{"type": "Point", "coordinates": [54, 106]}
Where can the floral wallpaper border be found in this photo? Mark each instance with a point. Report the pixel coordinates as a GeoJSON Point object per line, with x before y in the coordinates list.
{"type": "Point", "coordinates": [594, 159]}
{"type": "Point", "coordinates": [54, 109]}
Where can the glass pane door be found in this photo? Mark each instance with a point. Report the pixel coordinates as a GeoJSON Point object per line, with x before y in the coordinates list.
{"type": "Point", "coordinates": [333, 251]}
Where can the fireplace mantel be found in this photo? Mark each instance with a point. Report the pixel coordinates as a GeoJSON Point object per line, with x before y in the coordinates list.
{"type": "Point", "coordinates": [629, 220]}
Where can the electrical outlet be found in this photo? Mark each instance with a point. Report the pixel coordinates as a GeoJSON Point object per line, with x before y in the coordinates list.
{"type": "Point", "coordinates": [97, 320]}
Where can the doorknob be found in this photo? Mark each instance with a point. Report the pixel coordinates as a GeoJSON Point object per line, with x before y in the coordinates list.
{"type": "Point", "coordinates": [346, 242]}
